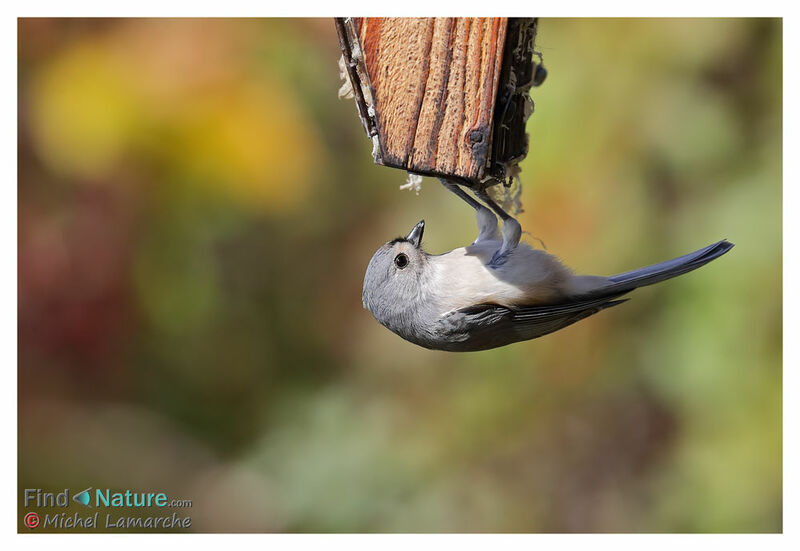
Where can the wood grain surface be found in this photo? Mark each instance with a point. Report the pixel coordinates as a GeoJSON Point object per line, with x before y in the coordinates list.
{"type": "Point", "coordinates": [432, 86]}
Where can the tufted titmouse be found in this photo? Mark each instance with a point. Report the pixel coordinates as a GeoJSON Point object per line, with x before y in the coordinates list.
{"type": "Point", "coordinates": [495, 291]}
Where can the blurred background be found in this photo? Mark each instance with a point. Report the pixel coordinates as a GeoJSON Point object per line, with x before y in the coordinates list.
{"type": "Point", "coordinates": [196, 211]}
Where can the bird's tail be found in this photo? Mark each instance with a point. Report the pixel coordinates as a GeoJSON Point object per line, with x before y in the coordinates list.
{"type": "Point", "coordinates": [628, 281]}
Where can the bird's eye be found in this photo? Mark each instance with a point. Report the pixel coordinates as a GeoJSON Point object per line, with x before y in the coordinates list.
{"type": "Point", "coordinates": [401, 261]}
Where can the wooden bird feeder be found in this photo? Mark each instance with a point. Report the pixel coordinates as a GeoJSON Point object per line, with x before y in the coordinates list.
{"type": "Point", "coordinates": [444, 96]}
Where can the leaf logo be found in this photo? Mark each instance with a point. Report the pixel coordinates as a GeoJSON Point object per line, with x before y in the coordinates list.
{"type": "Point", "coordinates": [83, 497]}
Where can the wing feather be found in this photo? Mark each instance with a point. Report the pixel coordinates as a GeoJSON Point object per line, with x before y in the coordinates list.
{"type": "Point", "coordinates": [487, 326]}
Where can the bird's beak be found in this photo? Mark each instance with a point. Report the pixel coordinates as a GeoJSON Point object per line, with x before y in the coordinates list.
{"type": "Point", "coordinates": [415, 237]}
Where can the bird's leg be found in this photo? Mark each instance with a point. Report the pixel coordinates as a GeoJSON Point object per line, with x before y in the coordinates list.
{"type": "Point", "coordinates": [512, 231]}
{"type": "Point", "coordinates": [487, 222]}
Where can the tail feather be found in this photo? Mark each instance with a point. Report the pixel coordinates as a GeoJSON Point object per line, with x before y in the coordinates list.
{"type": "Point", "coordinates": [649, 275]}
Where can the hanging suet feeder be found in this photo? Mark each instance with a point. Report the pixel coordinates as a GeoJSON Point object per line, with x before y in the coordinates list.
{"type": "Point", "coordinates": [444, 97]}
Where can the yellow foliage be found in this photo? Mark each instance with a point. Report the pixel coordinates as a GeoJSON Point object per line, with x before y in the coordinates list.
{"type": "Point", "coordinates": [250, 143]}
{"type": "Point", "coordinates": [83, 112]}
{"type": "Point", "coordinates": [94, 107]}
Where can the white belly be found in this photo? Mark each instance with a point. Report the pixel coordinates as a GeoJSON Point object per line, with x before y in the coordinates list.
{"type": "Point", "coordinates": [528, 276]}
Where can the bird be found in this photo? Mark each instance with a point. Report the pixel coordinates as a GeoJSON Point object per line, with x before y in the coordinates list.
{"type": "Point", "coordinates": [497, 290]}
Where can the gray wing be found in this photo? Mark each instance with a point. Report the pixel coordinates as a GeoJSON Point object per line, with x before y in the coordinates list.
{"type": "Point", "coordinates": [486, 326]}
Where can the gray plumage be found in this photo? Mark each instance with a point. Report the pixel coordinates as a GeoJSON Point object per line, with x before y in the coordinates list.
{"type": "Point", "coordinates": [493, 293]}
